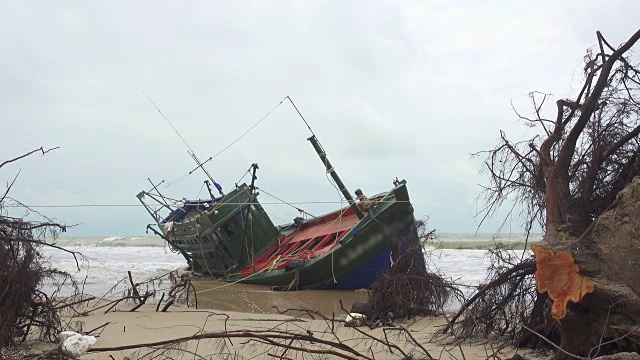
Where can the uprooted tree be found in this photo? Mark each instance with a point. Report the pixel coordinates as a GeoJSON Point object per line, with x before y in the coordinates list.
{"type": "Point", "coordinates": [578, 180]}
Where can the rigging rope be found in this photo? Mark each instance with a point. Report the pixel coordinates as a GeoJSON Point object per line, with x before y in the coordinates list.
{"type": "Point", "coordinates": [245, 174]}
{"type": "Point", "coordinates": [251, 128]}
{"type": "Point", "coordinates": [299, 113]}
{"type": "Point", "coordinates": [153, 205]}
{"type": "Point", "coordinates": [169, 122]}
{"type": "Point", "coordinates": [321, 147]}
{"type": "Point", "coordinates": [176, 180]}
{"type": "Point", "coordinates": [284, 202]}
{"type": "Point", "coordinates": [279, 218]}
{"type": "Point", "coordinates": [233, 142]}
{"type": "Point", "coordinates": [199, 192]}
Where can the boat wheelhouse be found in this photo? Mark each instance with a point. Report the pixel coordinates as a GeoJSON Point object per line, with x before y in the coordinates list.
{"type": "Point", "coordinates": [212, 234]}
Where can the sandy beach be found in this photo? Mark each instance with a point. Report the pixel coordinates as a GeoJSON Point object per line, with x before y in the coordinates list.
{"type": "Point", "coordinates": [249, 312]}
{"type": "Point", "coordinates": [148, 326]}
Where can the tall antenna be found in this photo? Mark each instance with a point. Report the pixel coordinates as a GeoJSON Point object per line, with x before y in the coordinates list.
{"type": "Point", "coordinates": [169, 122]}
{"type": "Point", "coordinates": [206, 172]}
{"type": "Point", "coordinates": [190, 151]}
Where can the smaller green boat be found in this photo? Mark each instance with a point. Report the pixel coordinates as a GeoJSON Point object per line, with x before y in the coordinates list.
{"type": "Point", "coordinates": [210, 233]}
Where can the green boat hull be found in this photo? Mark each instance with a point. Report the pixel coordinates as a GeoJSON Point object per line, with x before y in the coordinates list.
{"type": "Point", "coordinates": [357, 258]}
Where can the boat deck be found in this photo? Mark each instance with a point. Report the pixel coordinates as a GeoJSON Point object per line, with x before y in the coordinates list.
{"type": "Point", "coordinates": [310, 240]}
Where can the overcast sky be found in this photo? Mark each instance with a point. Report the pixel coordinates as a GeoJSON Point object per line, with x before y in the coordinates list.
{"type": "Point", "coordinates": [406, 89]}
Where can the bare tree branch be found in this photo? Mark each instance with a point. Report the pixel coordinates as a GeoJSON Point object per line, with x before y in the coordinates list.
{"type": "Point", "coordinates": [27, 154]}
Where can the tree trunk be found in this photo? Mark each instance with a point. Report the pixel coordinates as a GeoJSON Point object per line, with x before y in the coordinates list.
{"type": "Point", "coordinates": [608, 255]}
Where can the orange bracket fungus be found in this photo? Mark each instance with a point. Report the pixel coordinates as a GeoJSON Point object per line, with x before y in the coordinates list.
{"type": "Point", "coordinates": [558, 275]}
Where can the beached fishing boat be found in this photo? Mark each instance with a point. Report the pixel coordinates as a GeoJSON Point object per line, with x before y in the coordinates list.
{"type": "Point", "coordinates": [232, 236]}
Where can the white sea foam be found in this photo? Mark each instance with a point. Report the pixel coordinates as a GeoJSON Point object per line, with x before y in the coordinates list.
{"type": "Point", "coordinates": [104, 265]}
{"type": "Point", "coordinates": [113, 238]}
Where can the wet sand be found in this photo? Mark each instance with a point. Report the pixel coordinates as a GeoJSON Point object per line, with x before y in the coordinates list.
{"type": "Point", "coordinates": [258, 299]}
{"type": "Point", "coordinates": [147, 326]}
{"type": "Point", "coordinates": [250, 309]}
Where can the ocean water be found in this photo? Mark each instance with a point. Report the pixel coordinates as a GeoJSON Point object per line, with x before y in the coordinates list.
{"type": "Point", "coordinates": [106, 260]}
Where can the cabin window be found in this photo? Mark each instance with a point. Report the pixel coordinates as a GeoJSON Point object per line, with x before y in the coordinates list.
{"type": "Point", "coordinates": [217, 237]}
{"type": "Point", "coordinates": [239, 217]}
{"type": "Point", "coordinates": [227, 229]}
{"type": "Point", "coordinates": [254, 212]}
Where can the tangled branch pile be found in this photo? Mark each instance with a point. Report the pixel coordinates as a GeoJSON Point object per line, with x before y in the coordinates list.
{"type": "Point", "coordinates": [26, 312]}
{"type": "Point", "coordinates": [406, 289]}
{"type": "Point", "coordinates": [180, 289]}
{"type": "Point", "coordinates": [503, 304]}
{"type": "Point", "coordinates": [23, 308]}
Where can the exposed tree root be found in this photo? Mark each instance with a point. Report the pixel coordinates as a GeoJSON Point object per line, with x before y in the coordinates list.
{"type": "Point", "coordinates": [498, 310]}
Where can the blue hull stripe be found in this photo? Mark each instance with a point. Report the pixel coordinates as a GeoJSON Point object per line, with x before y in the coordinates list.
{"type": "Point", "coordinates": [364, 276]}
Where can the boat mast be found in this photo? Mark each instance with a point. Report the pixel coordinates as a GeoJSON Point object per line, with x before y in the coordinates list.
{"type": "Point", "coordinates": [246, 217]}
{"type": "Point", "coordinates": [334, 175]}
{"type": "Point", "coordinates": [323, 157]}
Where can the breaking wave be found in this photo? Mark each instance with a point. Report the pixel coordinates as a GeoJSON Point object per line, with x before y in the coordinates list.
{"type": "Point", "coordinates": [477, 245]}
{"type": "Point", "coordinates": [112, 241]}
{"type": "Point", "coordinates": [481, 241]}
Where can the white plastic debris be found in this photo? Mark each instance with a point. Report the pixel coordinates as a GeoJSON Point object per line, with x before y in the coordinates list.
{"type": "Point", "coordinates": [75, 345]}
{"type": "Point", "coordinates": [168, 227]}
{"type": "Point", "coordinates": [185, 274]}
{"type": "Point", "coordinates": [65, 334]}
{"type": "Point", "coordinates": [355, 320]}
